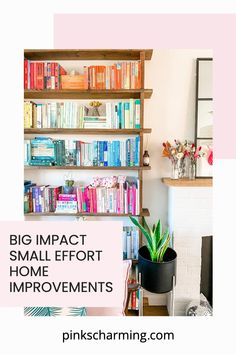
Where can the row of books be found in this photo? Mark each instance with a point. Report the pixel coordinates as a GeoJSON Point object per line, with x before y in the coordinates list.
{"type": "Point", "coordinates": [43, 151]}
{"type": "Point", "coordinates": [112, 115]}
{"type": "Point", "coordinates": [49, 75]}
{"type": "Point", "coordinates": [121, 199]}
{"type": "Point", "coordinates": [122, 75]}
{"type": "Point", "coordinates": [130, 242]}
{"type": "Point", "coordinates": [42, 75]}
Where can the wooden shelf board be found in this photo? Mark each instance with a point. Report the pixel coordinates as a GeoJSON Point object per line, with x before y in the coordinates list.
{"type": "Point", "coordinates": [86, 54]}
{"type": "Point", "coordinates": [145, 212]}
{"type": "Point", "coordinates": [197, 182]}
{"type": "Point", "coordinates": [87, 168]}
{"type": "Point", "coordinates": [86, 94]}
{"type": "Point", "coordinates": [87, 131]}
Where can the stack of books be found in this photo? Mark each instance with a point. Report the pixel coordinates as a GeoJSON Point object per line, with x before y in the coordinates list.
{"type": "Point", "coordinates": [42, 75]}
{"type": "Point", "coordinates": [44, 151]}
{"type": "Point", "coordinates": [123, 75]}
{"type": "Point", "coordinates": [120, 199]}
{"type": "Point", "coordinates": [43, 198]}
{"type": "Point", "coordinates": [123, 198]}
{"type": "Point", "coordinates": [112, 115]}
{"type": "Point", "coordinates": [130, 242]}
{"type": "Point", "coordinates": [39, 152]}
{"type": "Point", "coordinates": [51, 75]}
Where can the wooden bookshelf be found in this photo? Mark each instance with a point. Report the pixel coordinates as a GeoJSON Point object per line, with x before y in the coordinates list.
{"type": "Point", "coordinates": [145, 212]}
{"type": "Point", "coordinates": [142, 94]}
{"type": "Point", "coordinates": [186, 182]}
{"type": "Point", "coordinates": [87, 54]}
{"type": "Point", "coordinates": [86, 94]}
{"type": "Point", "coordinates": [83, 131]}
{"type": "Point", "coordinates": [118, 168]}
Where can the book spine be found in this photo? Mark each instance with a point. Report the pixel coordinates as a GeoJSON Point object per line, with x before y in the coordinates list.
{"type": "Point", "coordinates": [32, 76]}
{"type": "Point", "coordinates": [137, 114]}
{"type": "Point", "coordinates": [26, 64]}
{"type": "Point", "coordinates": [48, 76]}
{"type": "Point", "coordinates": [105, 153]}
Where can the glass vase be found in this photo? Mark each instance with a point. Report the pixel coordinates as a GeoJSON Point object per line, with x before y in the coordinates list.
{"type": "Point", "coordinates": [174, 170]}
{"type": "Point", "coordinates": [192, 171]}
{"type": "Point", "coordinates": [178, 169]}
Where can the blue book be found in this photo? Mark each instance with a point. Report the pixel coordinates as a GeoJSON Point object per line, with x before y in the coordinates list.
{"type": "Point", "coordinates": [113, 153]}
{"type": "Point", "coordinates": [100, 153]}
{"type": "Point", "coordinates": [118, 161]}
{"type": "Point", "coordinates": [109, 153]}
{"type": "Point", "coordinates": [137, 150]}
{"type": "Point", "coordinates": [128, 152]}
{"type": "Point", "coordinates": [105, 153]}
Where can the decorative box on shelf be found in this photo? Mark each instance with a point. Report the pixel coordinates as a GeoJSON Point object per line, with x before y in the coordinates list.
{"type": "Point", "coordinates": [73, 82]}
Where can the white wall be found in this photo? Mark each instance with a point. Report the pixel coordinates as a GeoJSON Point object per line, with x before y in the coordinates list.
{"type": "Point", "coordinates": [171, 115]}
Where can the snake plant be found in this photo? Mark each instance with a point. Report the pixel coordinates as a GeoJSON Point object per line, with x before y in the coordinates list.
{"type": "Point", "coordinates": [157, 241]}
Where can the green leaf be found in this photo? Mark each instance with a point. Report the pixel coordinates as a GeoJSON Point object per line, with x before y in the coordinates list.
{"type": "Point", "coordinates": [164, 248]}
{"type": "Point", "coordinates": [145, 233]}
{"type": "Point", "coordinates": [163, 239]}
{"type": "Point", "coordinates": [157, 234]}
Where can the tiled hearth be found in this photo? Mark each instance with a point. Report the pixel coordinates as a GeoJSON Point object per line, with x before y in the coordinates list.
{"type": "Point", "coordinates": [189, 218]}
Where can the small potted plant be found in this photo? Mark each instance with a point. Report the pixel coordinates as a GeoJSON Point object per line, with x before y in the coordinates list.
{"type": "Point", "coordinates": [156, 260]}
{"type": "Point", "coordinates": [69, 186]}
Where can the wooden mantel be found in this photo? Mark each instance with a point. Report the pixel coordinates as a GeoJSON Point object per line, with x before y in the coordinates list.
{"type": "Point", "coordinates": [185, 182]}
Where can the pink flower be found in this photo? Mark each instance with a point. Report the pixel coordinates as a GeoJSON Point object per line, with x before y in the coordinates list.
{"type": "Point", "coordinates": [210, 156]}
{"type": "Point", "coordinates": [196, 154]}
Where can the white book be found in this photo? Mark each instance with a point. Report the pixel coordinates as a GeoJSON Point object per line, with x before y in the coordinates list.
{"type": "Point", "coordinates": [39, 116]}
{"type": "Point", "coordinates": [48, 115]}
{"type": "Point", "coordinates": [108, 115]}
{"type": "Point", "coordinates": [131, 116]}
{"type": "Point", "coordinates": [129, 245]}
{"type": "Point", "coordinates": [124, 244]}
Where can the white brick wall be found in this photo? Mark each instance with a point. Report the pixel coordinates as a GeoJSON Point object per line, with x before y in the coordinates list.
{"type": "Point", "coordinates": [189, 218]}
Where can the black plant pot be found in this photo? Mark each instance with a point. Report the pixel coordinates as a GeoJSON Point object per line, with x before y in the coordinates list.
{"type": "Point", "coordinates": [157, 277]}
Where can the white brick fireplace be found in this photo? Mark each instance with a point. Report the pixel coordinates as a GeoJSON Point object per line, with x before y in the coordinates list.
{"type": "Point", "coordinates": [189, 218]}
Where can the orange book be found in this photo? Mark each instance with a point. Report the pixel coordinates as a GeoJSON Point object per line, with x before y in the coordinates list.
{"type": "Point", "coordinates": [98, 77]}
{"type": "Point", "coordinates": [118, 76]}
{"type": "Point", "coordinates": [128, 71]}
{"type": "Point", "coordinates": [138, 75]}
{"type": "Point", "coordinates": [86, 77]}
{"type": "Point", "coordinates": [92, 77]}
{"type": "Point", "coordinates": [113, 77]}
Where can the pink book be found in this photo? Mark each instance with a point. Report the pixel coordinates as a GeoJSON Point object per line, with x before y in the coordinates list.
{"type": "Point", "coordinates": [133, 199]}
{"type": "Point", "coordinates": [83, 199]}
{"type": "Point", "coordinates": [91, 200]}
{"type": "Point", "coordinates": [118, 201]}
{"type": "Point", "coordinates": [78, 199]}
{"type": "Point", "coordinates": [94, 199]}
{"type": "Point", "coordinates": [86, 196]}
{"type": "Point", "coordinates": [129, 196]}
{"type": "Point", "coordinates": [67, 197]}
{"type": "Point", "coordinates": [121, 198]}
